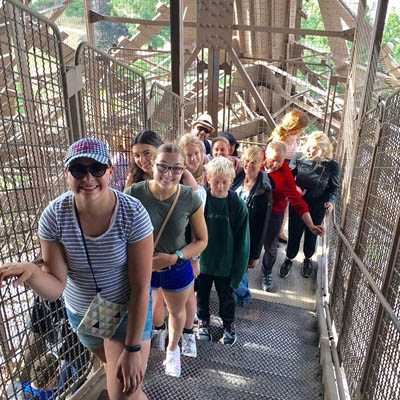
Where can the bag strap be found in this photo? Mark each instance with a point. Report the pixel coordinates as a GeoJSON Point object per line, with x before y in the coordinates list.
{"type": "Point", "coordinates": [160, 231]}
{"type": "Point", "coordinates": [98, 290]}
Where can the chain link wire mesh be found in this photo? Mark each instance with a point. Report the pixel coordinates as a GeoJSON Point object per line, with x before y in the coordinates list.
{"type": "Point", "coordinates": [378, 246]}
{"type": "Point", "coordinates": [37, 346]}
{"type": "Point", "coordinates": [113, 105]}
{"type": "Point", "coordinates": [368, 339]}
{"type": "Point", "coordinates": [164, 109]}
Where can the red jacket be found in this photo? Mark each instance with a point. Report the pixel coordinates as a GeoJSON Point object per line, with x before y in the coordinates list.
{"type": "Point", "coordinates": [284, 190]}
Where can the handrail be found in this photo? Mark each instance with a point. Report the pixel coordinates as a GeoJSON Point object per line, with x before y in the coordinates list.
{"type": "Point", "coordinates": [363, 269]}
{"type": "Point", "coordinates": [328, 337]}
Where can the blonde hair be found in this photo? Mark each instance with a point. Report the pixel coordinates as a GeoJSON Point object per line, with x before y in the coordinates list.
{"type": "Point", "coordinates": [277, 146]}
{"type": "Point", "coordinates": [292, 121]}
{"type": "Point", "coordinates": [191, 139]}
{"type": "Point", "coordinates": [221, 166]}
{"type": "Point", "coordinates": [252, 153]}
{"type": "Point", "coordinates": [322, 140]}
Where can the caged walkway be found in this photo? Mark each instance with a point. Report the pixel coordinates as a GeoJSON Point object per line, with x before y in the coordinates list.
{"type": "Point", "coordinates": [51, 95]}
{"type": "Point", "coordinates": [276, 357]}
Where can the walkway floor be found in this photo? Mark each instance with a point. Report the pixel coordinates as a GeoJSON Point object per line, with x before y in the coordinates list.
{"type": "Point", "coordinates": [293, 290]}
{"type": "Point", "coordinates": [275, 358]}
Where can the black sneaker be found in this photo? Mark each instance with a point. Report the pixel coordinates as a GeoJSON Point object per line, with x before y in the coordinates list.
{"type": "Point", "coordinates": [267, 283]}
{"type": "Point", "coordinates": [285, 268]}
{"type": "Point", "coordinates": [229, 337]}
{"type": "Point", "coordinates": [203, 331]}
{"type": "Point", "coordinates": [307, 269]}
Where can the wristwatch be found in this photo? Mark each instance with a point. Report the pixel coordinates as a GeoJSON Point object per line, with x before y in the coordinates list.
{"type": "Point", "coordinates": [180, 255]}
{"type": "Point", "coordinates": [133, 348]}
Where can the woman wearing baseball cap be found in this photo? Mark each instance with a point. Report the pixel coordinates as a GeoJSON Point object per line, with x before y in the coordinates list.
{"type": "Point", "coordinates": [97, 245]}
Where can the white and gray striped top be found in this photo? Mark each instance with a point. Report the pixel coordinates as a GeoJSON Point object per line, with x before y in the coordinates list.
{"type": "Point", "coordinates": [108, 252]}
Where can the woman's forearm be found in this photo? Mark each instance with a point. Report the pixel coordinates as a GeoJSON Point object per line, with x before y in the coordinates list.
{"type": "Point", "coordinates": [45, 284]}
{"type": "Point", "coordinates": [194, 248]}
{"type": "Point", "coordinates": [137, 313]}
{"type": "Point", "coordinates": [306, 217]}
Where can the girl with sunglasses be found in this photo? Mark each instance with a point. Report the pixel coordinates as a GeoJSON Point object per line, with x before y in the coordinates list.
{"type": "Point", "coordinates": [172, 268]}
{"type": "Point", "coordinates": [97, 240]}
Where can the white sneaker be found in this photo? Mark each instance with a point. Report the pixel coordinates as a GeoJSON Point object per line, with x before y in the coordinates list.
{"type": "Point", "coordinates": [159, 339]}
{"type": "Point", "coordinates": [189, 347]}
{"type": "Point", "coordinates": [173, 363]}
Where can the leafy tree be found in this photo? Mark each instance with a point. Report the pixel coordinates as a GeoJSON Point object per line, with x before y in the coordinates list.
{"type": "Point", "coordinates": [391, 34]}
{"type": "Point", "coordinates": [314, 21]}
{"type": "Point", "coordinates": [141, 9]}
{"type": "Point", "coordinates": [75, 9]}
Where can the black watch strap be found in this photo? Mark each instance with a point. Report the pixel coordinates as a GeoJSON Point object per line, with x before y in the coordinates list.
{"type": "Point", "coordinates": [133, 348]}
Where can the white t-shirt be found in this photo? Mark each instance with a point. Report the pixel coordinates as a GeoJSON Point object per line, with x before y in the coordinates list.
{"type": "Point", "coordinates": [108, 252]}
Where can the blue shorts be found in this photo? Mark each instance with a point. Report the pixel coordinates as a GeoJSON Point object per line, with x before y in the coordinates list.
{"type": "Point", "coordinates": [94, 342]}
{"type": "Point", "coordinates": [175, 278]}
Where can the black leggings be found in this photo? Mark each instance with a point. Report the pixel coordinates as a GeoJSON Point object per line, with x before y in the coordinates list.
{"type": "Point", "coordinates": [297, 227]}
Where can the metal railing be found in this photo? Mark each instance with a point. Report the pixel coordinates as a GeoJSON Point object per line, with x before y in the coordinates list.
{"type": "Point", "coordinates": [365, 277]}
{"type": "Point", "coordinates": [37, 347]}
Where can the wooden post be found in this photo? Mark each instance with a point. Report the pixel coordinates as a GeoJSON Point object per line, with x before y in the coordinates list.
{"type": "Point", "coordinates": [177, 60]}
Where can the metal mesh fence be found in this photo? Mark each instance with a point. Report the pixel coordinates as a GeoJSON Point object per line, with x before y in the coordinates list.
{"type": "Point", "coordinates": [164, 111]}
{"type": "Point", "coordinates": [379, 246]}
{"type": "Point", "coordinates": [37, 347]}
{"type": "Point", "coordinates": [371, 223]}
{"type": "Point", "coordinates": [113, 105]}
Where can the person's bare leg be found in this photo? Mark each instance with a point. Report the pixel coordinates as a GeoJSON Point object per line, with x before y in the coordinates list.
{"type": "Point", "coordinates": [158, 307]}
{"type": "Point", "coordinates": [100, 354]}
{"type": "Point", "coordinates": [113, 350]}
{"type": "Point", "coordinates": [176, 303]}
{"type": "Point", "coordinates": [191, 309]}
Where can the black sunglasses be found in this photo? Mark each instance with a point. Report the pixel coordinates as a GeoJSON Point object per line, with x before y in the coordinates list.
{"type": "Point", "coordinates": [203, 128]}
{"type": "Point", "coordinates": [96, 169]}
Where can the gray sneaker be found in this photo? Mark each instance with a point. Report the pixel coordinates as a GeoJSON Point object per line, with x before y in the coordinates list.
{"type": "Point", "coordinates": [267, 283]}
{"type": "Point", "coordinates": [203, 331]}
{"type": "Point", "coordinates": [189, 348]}
{"type": "Point", "coordinates": [159, 339]}
{"type": "Point", "coordinates": [229, 337]}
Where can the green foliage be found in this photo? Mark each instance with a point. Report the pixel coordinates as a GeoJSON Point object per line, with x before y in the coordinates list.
{"type": "Point", "coordinates": [75, 9]}
{"type": "Point", "coordinates": [141, 9]}
{"type": "Point", "coordinates": [41, 5]}
{"type": "Point", "coordinates": [391, 34]}
{"type": "Point", "coordinates": [314, 21]}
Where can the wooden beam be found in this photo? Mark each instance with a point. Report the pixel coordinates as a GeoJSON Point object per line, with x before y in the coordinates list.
{"type": "Point", "coordinates": [347, 34]}
{"type": "Point", "coordinates": [245, 76]}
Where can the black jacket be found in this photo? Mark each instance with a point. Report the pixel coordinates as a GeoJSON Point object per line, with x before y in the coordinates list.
{"type": "Point", "coordinates": [259, 205]}
{"type": "Point", "coordinates": [319, 179]}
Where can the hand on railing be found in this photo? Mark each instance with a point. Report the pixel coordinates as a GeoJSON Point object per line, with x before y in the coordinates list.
{"type": "Point", "coordinates": [329, 207]}
{"type": "Point", "coordinates": [22, 272]}
{"type": "Point", "coordinates": [317, 230]}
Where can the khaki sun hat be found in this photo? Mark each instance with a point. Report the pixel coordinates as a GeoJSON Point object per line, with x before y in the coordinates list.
{"type": "Point", "coordinates": [204, 120]}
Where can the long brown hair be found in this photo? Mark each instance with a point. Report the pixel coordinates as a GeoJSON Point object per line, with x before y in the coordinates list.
{"type": "Point", "coordinates": [136, 174]}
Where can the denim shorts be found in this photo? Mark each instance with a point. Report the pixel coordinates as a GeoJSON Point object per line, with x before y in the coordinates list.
{"type": "Point", "coordinates": [94, 342]}
{"type": "Point", "coordinates": [176, 278]}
